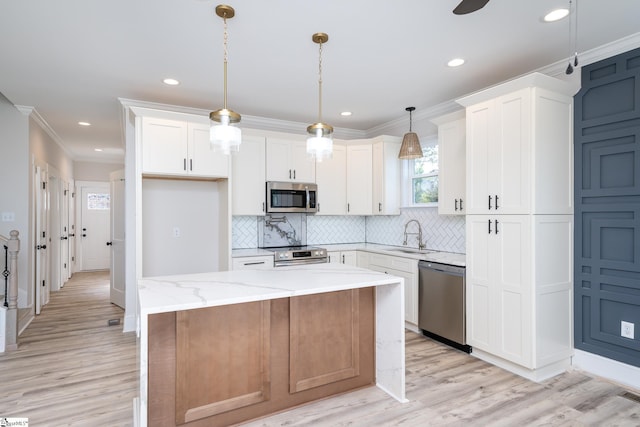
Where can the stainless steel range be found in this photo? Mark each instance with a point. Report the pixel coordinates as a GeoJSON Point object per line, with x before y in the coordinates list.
{"type": "Point", "coordinates": [297, 255]}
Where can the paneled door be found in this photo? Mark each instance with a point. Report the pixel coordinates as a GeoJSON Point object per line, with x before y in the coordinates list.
{"type": "Point", "coordinates": [41, 295]}
{"type": "Point", "coordinates": [117, 241]}
{"type": "Point", "coordinates": [95, 227]}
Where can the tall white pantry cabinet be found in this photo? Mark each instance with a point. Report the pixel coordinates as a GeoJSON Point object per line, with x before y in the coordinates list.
{"type": "Point", "coordinates": [519, 225]}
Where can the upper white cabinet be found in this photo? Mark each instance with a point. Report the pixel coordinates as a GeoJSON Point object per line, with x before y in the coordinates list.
{"type": "Point", "coordinates": [180, 148]}
{"type": "Point", "coordinates": [331, 178]}
{"type": "Point", "coordinates": [386, 176]}
{"type": "Point", "coordinates": [451, 163]}
{"type": "Point", "coordinates": [287, 160]}
{"type": "Point", "coordinates": [359, 177]}
{"type": "Point", "coordinates": [248, 177]}
{"type": "Point", "coordinates": [510, 135]}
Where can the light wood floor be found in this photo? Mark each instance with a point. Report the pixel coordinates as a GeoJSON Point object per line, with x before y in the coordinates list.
{"type": "Point", "coordinates": [73, 369]}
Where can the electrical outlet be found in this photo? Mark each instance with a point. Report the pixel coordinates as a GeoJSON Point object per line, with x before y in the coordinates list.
{"type": "Point", "coordinates": [176, 231]}
{"type": "Point", "coordinates": [626, 329]}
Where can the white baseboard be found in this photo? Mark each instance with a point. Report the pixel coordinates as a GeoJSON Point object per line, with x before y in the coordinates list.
{"type": "Point", "coordinates": [129, 323]}
{"type": "Point", "coordinates": [613, 370]}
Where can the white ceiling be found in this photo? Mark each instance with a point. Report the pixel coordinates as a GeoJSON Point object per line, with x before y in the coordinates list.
{"type": "Point", "coordinates": [72, 60]}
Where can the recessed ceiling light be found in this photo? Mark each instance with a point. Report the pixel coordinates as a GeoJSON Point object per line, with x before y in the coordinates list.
{"type": "Point", "coordinates": [556, 15]}
{"type": "Point", "coordinates": [456, 62]}
{"type": "Point", "coordinates": [84, 123]}
{"type": "Point", "coordinates": [97, 149]}
{"type": "Point", "coordinates": [345, 113]}
{"type": "Point", "coordinates": [171, 82]}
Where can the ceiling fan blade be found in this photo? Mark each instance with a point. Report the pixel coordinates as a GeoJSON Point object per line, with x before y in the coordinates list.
{"type": "Point", "coordinates": [468, 6]}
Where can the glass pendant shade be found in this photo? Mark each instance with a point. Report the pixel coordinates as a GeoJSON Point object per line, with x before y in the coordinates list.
{"type": "Point", "coordinates": [319, 142]}
{"type": "Point", "coordinates": [224, 137]}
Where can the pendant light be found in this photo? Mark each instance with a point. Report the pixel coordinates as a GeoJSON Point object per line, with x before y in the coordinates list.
{"type": "Point", "coordinates": [223, 136]}
{"type": "Point", "coordinates": [410, 148]}
{"type": "Point", "coordinates": [319, 142]}
{"type": "Point", "coordinates": [573, 37]}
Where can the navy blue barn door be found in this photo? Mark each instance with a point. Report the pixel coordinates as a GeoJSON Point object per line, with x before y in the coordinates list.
{"type": "Point", "coordinates": [607, 208]}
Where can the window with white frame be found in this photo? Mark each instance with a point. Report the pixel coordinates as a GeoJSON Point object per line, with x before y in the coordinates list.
{"type": "Point", "coordinates": [421, 177]}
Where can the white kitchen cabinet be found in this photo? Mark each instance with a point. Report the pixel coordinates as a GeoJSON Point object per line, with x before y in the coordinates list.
{"type": "Point", "coordinates": [519, 288]}
{"type": "Point", "coordinates": [287, 160]}
{"type": "Point", "coordinates": [359, 177]}
{"type": "Point", "coordinates": [519, 225]}
{"type": "Point", "coordinates": [261, 262]}
{"type": "Point", "coordinates": [343, 257]}
{"type": "Point", "coordinates": [248, 177]}
{"type": "Point", "coordinates": [451, 163]}
{"type": "Point", "coordinates": [386, 176]}
{"type": "Point", "coordinates": [180, 148]}
{"type": "Point", "coordinates": [331, 178]}
{"type": "Point", "coordinates": [406, 268]}
{"type": "Point", "coordinates": [519, 150]}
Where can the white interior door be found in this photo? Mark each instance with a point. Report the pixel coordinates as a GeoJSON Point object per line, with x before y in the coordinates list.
{"type": "Point", "coordinates": [64, 233]}
{"type": "Point", "coordinates": [72, 229]}
{"type": "Point", "coordinates": [117, 241]}
{"type": "Point", "coordinates": [95, 229]}
{"type": "Point", "coordinates": [53, 197]}
{"type": "Point", "coordinates": [40, 238]}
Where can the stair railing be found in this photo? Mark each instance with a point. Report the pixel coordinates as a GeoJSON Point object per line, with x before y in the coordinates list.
{"type": "Point", "coordinates": [11, 248]}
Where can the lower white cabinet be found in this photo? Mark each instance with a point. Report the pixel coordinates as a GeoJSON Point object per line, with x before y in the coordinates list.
{"type": "Point", "coordinates": [519, 280]}
{"type": "Point", "coordinates": [406, 268]}
{"type": "Point", "coordinates": [343, 257]}
{"type": "Point", "coordinates": [261, 262]}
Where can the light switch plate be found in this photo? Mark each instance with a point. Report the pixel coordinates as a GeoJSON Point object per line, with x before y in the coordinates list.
{"type": "Point", "coordinates": [8, 216]}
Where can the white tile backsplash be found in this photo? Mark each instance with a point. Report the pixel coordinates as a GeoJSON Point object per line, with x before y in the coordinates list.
{"type": "Point", "coordinates": [440, 232]}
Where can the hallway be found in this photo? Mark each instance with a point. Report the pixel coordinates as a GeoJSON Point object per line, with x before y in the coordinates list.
{"type": "Point", "coordinates": [71, 368]}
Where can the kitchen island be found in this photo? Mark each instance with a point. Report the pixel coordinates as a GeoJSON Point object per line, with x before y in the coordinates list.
{"type": "Point", "coordinates": [220, 348]}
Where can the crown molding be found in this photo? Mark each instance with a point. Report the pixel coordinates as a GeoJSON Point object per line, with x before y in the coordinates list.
{"type": "Point", "coordinates": [425, 115]}
{"type": "Point", "coordinates": [31, 112]}
{"type": "Point", "coordinates": [252, 122]}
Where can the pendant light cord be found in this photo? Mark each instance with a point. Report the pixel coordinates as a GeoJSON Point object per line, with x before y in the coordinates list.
{"type": "Point", "coordinates": [320, 83]}
{"type": "Point", "coordinates": [226, 54]}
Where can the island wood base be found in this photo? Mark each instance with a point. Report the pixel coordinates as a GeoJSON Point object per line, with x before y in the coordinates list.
{"type": "Point", "coordinates": [221, 365]}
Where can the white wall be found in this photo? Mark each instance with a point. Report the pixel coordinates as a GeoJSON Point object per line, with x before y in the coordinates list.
{"type": "Point", "coordinates": [191, 208]}
{"type": "Point", "coordinates": [14, 184]}
{"type": "Point", "coordinates": [93, 171]}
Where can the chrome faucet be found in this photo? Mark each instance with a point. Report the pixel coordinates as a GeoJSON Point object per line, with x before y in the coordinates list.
{"type": "Point", "coordinates": [419, 233]}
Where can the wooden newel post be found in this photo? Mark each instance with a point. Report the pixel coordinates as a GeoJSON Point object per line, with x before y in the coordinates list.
{"type": "Point", "coordinates": [13, 245]}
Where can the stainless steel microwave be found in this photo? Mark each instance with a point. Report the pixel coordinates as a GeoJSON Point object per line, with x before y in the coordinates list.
{"type": "Point", "coordinates": [283, 197]}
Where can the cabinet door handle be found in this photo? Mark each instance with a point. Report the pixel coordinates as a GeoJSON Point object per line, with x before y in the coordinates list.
{"type": "Point", "coordinates": [456, 203]}
{"type": "Point", "coordinates": [191, 164]}
{"type": "Point", "coordinates": [294, 174]}
{"type": "Point", "coordinates": [460, 204]}
{"type": "Point", "coordinates": [262, 206]}
{"type": "Point", "coordinates": [343, 259]}
{"type": "Point", "coordinates": [489, 202]}
{"type": "Point", "coordinates": [253, 263]}
{"type": "Point", "coordinates": [184, 164]}
{"type": "Point", "coordinates": [318, 207]}
{"type": "Point", "coordinates": [379, 207]}
{"type": "Point", "coordinates": [489, 226]}
{"type": "Point", "coordinates": [289, 173]}
{"type": "Point", "coordinates": [496, 202]}
{"type": "Point", "coordinates": [496, 226]}
{"type": "Point", "coordinates": [348, 207]}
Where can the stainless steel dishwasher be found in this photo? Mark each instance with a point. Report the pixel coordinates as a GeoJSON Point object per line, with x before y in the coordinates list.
{"type": "Point", "coordinates": [441, 303]}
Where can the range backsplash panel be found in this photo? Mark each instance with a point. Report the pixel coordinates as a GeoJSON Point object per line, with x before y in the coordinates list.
{"type": "Point", "coordinates": [278, 230]}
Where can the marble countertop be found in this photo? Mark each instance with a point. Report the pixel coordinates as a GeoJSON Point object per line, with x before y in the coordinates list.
{"type": "Point", "coordinates": [188, 291]}
{"type": "Point", "coordinates": [450, 258]}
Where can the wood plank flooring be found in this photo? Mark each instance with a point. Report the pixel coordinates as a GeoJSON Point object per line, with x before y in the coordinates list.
{"type": "Point", "coordinates": [71, 369]}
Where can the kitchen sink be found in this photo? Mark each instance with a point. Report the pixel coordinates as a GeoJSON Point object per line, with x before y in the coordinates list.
{"type": "Point", "coordinates": [409, 251]}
